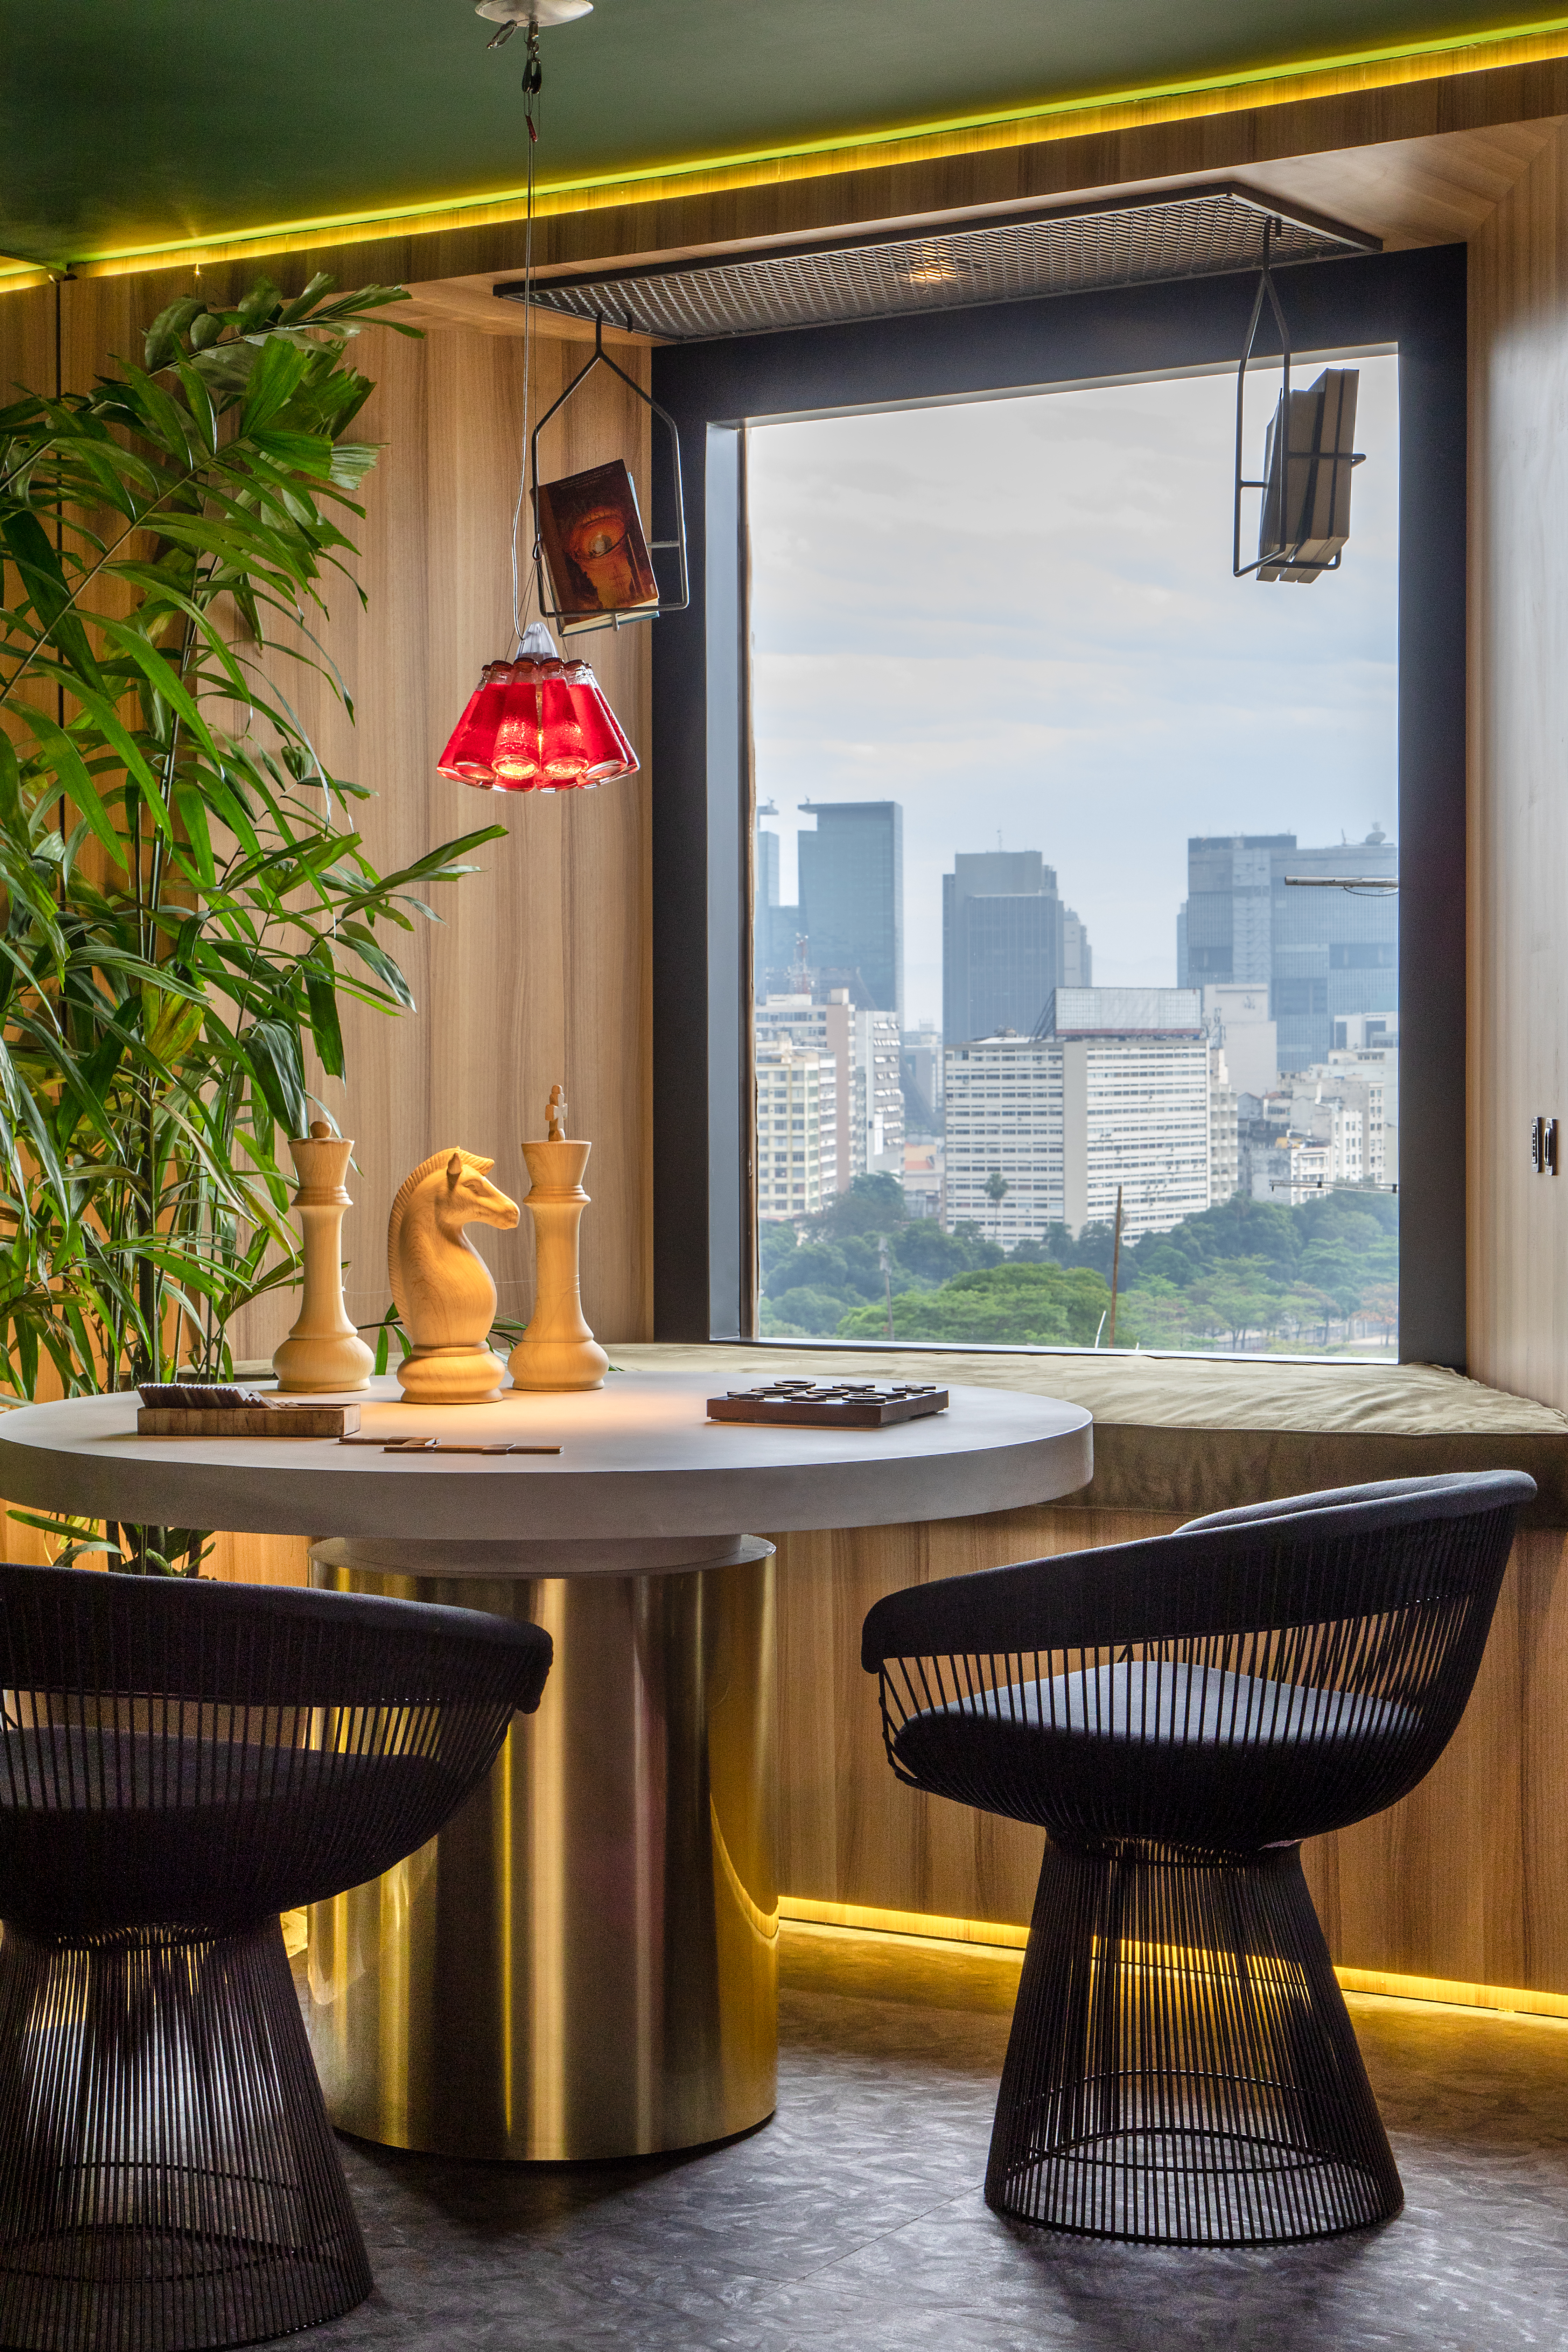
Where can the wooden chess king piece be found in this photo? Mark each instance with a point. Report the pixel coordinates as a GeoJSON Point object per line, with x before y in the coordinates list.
{"type": "Point", "coordinates": [557, 1350]}
{"type": "Point", "coordinates": [441, 1284]}
{"type": "Point", "coordinates": [323, 1350]}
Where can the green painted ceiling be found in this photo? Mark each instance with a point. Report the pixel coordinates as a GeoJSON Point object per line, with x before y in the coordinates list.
{"type": "Point", "coordinates": [125, 123]}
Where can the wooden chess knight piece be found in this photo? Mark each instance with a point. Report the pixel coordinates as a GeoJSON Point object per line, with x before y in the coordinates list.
{"type": "Point", "coordinates": [557, 1350]}
{"type": "Point", "coordinates": [323, 1350]}
{"type": "Point", "coordinates": [441, 1284]}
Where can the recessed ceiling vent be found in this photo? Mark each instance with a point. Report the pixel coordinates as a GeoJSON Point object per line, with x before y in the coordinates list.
{"type": "Point", "coordinates": [1193, 232]}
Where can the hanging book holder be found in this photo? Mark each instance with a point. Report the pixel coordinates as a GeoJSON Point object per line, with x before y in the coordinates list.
{"type": "Point", "coordinates": [1308, 496]}
{"type": "Point", "coordinates": [574, 623]}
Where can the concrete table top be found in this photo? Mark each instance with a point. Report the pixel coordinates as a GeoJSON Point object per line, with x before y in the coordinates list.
{"type": "Point", "coordinates": [639, 1462]}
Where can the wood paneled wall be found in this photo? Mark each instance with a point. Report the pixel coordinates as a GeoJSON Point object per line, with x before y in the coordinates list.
{"type": "Point", "coordinates": [539, 971]}
{"type": "Point", "coordinates": [1519, 790]}
{"type": "Point", "coordinates": [1467, 1879]}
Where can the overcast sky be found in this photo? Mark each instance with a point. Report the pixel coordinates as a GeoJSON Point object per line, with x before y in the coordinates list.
{"type": "Point", "coordinates": [1017, 618]}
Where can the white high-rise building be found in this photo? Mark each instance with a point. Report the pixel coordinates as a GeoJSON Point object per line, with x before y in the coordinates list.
{"type": "Point", "coordinates": [798, 1128]}
{"type": "Point", "coordinates": [867, 1113]}
{"type": "Point", "coordinates": [1044, 1130]}
{"type": "Point", "coordinates": [877, 1110]}
{"type": "Point", "coordinates": [1004, 1137]}
{"type": "Point", "coordinates": [1225, 1143]}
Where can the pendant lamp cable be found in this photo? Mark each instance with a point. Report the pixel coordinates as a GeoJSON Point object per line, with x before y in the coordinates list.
{"type": "Point", "coordinates": [532, 83]}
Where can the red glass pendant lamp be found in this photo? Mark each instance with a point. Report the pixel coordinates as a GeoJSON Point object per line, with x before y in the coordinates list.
{"type": "Point", "coordinates": [537, 724]}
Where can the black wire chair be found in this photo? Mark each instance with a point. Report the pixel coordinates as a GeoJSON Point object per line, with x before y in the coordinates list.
{"type": "Point", "coordinates": [1178, 1715]}
{"type": "Point", "coordinates": [180, 1761]}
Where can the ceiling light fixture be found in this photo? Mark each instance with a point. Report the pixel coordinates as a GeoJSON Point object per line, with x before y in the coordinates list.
{"type": "Point", "coordinates": [535, 723]}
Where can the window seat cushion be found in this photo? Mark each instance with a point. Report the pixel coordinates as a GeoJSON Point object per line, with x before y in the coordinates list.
{"type": "Point", "coordinates": [1183, 1435]}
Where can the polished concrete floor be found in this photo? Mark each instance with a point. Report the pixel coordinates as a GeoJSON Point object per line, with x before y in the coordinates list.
{"type": "Point", "coordinates": [854, 2220]}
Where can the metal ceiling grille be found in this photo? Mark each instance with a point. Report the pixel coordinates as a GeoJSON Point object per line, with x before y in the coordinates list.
{"type": "Point", "coordinates": [1196, 233]}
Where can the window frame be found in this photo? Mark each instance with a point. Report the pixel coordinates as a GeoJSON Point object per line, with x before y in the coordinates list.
{"type": "Point", "coordinates": [702, 785]}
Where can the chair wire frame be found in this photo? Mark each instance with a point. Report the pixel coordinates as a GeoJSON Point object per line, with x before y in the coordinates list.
{"type": "Point", "coordinates": [180, 1761]}
{"type": "Point", "coordinates": [1178, 1715]}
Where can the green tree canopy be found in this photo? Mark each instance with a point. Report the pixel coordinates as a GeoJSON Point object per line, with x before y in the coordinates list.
{"type": "Point", "coordinates": [1007, 1305]}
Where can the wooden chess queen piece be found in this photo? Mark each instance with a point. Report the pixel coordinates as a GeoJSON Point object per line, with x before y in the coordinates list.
{"type": "Point", "coordinates": [557, 1350]}
{"type": "Point", "coordinates": [323, 1350]}
{"type": "Point", "coordinates": [441, 1284]}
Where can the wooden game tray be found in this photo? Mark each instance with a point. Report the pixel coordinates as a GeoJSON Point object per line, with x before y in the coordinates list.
{"type": "Point", "coordinates": [830, 1404]}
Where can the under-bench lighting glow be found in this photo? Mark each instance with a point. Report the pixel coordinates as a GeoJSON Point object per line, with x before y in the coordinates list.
{"type": "Point", "coordinates": [995, 1936]}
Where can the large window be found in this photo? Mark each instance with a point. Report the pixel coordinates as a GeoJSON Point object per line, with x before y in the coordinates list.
{"type": "Point", "coordinates": [1049, 942]}
{"type": "Point", "coordinates": [1032, 805]}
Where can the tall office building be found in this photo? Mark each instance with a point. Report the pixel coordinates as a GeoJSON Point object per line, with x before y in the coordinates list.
{"type": "Point", "coordinates": [1335, 952]}
{"type": "Point", "coordinates": [767, 859]}
{"type": "Point", "coordinates": [852, 898]}
{"type": "Point", "coordinates": [775, 928]}
{"type": "Point", "coordinates": [1078, 956]}
{"type": "Point", "coordinates": [1227, 931]}
{"type": "Point", "coordinates": [921, 1072]}
{"type": "Point", "coordinates": [1324, 955]}
{"type": "Point", "coordinates": [1008, 943]}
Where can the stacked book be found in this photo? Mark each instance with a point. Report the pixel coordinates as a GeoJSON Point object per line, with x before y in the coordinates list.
{"type": "Point", "coordinates": [1306, 518]}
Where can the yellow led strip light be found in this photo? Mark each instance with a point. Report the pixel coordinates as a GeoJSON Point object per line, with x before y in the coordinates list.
{"type": "Point", "coordinates": [992, 1936]}
{"type": "Point", "coordinates": [1527, 43]}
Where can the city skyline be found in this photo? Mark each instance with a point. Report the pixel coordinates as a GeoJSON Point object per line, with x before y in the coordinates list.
{"type": "Point", "coordinates": [1240, 922]}
{"type": "Point", "coordinates": [1121, 694]}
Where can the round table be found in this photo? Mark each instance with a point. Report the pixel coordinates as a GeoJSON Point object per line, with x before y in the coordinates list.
{"type": "Point", "coordinates": [583, 1963]}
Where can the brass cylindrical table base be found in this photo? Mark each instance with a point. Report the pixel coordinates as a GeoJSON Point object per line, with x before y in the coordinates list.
{"type": "Point", "coordinates": [583, 1963]}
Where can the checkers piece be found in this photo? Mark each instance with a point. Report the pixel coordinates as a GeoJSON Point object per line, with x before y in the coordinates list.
{"type": "Point", "coordinates": [829, 1404]}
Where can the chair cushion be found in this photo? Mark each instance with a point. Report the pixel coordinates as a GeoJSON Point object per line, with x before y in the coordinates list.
{"type": "Point", "coordinates": [1188, 1755]}
{"type": "Point", "coordinates": [1172, 1702]}
{"type": "Point", "coordinates": [102, 1829]}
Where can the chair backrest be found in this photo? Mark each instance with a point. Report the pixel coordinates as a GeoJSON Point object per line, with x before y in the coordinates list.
{"type": "Point", "coordinates": [226, 1737]}
{"type": "Point", "coordinates": [1383, 1594]}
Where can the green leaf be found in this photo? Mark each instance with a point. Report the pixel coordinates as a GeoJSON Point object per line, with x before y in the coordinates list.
{"type": "Point", "coordinates": [274, 380]}
{"type": "Point", "coordinates": [166, 329]}
{"type": "Point", "coordinates": [70, 771]}
{"type": "Point", "coordinates": [320, 990]}
{"type": "Point", "coordinates": [280, 1073]}
{"type": "Point", "coordinates": [152, 1032]}
{"type": "Point", "coordinates": [44, 577]}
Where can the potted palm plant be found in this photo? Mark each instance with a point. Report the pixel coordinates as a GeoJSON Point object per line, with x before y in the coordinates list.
{"type": "Point", "coordinates": [186, 899]}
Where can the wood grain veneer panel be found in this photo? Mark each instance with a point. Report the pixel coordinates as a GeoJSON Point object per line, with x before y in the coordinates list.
{"type": "Point", "coordinates": [1518, 856]}
{"type": "Point", "coordinates": [540, 969]}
